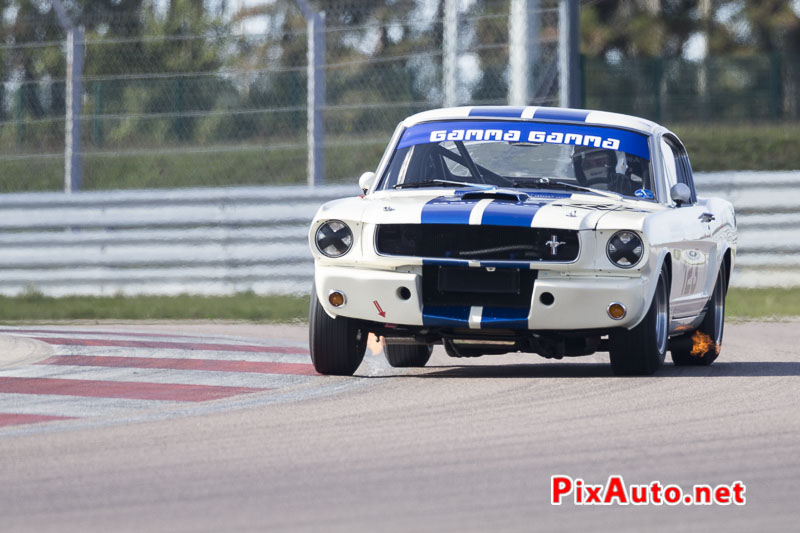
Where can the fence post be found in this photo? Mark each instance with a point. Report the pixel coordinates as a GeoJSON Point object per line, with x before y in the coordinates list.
{"type": "Point", "coordinates": [316, 99]}
{"type": "Point", "coordinates": [74, 104]}
{"type": "Point", "coordinates": [450, 53]}
{"type": "Point", "coordinates": [568, 52]}
{"type": "Point", "coordinates": [523, 49]}
{"type": "Point", "coordinates": [73, 170]}
{"type": "Point", "coordinates": [315, 92]}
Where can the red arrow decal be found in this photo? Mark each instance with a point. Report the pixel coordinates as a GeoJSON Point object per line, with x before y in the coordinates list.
{"type": "Point", "coordinates": [378, 307]}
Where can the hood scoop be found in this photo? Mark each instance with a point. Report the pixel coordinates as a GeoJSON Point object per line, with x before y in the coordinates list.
{"type": "Point", "coordinates": [495, 194]}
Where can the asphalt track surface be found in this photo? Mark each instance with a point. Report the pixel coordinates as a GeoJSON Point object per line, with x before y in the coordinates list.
{"type": "Point", "coordinates": [223, 427]}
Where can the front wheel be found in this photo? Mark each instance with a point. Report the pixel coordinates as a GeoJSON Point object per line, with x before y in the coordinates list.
{"type": "Point", "coordinates": [408, 355]}
{"type": "Point", "coordinates": [338, 344]}
{"type": "Point", "coordinates": [640, 351]}
{"type": "Point", "coordinates": [707, 339]}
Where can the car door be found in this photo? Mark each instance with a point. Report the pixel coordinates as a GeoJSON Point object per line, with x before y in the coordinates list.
{"type": "Point", "coordinates": [692, 249]}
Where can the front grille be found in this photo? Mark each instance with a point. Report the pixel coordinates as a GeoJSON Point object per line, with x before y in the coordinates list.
{"type": "Point", "coordinates": [463, 286]}
{"type": "Point", "coordinates": [467, 242]}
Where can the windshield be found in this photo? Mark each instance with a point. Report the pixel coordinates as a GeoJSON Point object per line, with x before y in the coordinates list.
{"type": "Point", "coordinates": [522, 155]}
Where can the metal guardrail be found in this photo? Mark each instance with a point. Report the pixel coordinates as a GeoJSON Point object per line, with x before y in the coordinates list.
{"type": "Point", "coordinates": [227, 240]}
{"type": "Point", "coordinates": [768, 219]}
{"type": "Point", "coordinates": [201, 241]}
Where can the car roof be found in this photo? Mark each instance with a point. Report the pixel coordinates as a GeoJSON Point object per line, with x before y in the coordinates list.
{"type": "Point", "coordinates": [537, 114]}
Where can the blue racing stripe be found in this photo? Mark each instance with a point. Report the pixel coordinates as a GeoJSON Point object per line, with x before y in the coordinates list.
{"type": "Point", "coordinates": [504, 318]}
{"type": "Point", "coordinates": [510, 112]}
{"type": "Point", "coordinates": [501, 213]}
{"type": "Point", "coordinates": [444, 210]}
{"type": "Point", "coordinates": [547, 113]}
{"type": "Point", "coordinates": [445, 316]}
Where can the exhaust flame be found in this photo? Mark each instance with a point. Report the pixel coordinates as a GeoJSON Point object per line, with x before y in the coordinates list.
{"type": "Point", "coordinates": [375, 344]}
{"type": "Point", "coordinates": [702, 343]}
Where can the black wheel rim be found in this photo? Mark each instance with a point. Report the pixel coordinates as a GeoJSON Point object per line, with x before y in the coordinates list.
{"type": "Point", "coordinates": [719, 310]}
{"type": "Point", "coordinates": [661, 316]}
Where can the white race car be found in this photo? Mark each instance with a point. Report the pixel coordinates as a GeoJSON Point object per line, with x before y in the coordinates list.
{"type": "Point", "coordinates": [554, 231]}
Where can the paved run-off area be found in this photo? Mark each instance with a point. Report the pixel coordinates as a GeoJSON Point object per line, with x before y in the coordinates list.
{"type": "Point", "coordinates": [213, 427]}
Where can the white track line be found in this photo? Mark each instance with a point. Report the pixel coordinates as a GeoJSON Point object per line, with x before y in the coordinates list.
{"type": "Point", "coordinates": [164, 353]}
{"type": "Point", "coordinates": [157, 375]}
{"type": "Point", "coordinates": [57, 331]}
{"type": "Point", "coordinates": [165, 339]}
{"type": "Point", "coordinates": [74, 406]}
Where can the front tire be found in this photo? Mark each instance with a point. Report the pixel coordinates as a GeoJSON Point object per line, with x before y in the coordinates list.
{"type": "Point", "coordinates": [713, 325]}
{"type": "Point", "coordinates": [640, 351]}
{"type": "Point", "coordinates": [408, 355]}
{"type": "Point", "coordinates": [338, 344]}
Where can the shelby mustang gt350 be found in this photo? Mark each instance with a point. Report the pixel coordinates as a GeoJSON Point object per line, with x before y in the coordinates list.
{"type": "Point", "coordinates": [560, 232]}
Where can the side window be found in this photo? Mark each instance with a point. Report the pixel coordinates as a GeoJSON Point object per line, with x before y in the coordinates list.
{"type": "Point", "coordinates": [670, 166]}
{"type": "Point", "coordinates": [684, 169]}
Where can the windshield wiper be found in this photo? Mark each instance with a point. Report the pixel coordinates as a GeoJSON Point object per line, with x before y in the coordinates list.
{"type": "Point", "coordinates": [609, 194]}
{"type": "Point", "coordinates": [431, 183]}
{"type": "Point", "coordinates": [545, 183]}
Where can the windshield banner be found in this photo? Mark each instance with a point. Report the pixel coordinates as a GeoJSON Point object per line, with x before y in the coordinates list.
{"type": "Point", "coordinates": [527, 132]}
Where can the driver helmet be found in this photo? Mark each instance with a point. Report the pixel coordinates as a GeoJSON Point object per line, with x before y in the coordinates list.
{"type": "Point", "coordinates": [594, 162]}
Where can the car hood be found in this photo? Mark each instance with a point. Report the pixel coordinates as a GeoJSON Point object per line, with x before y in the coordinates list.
{"type": "Point", "coordinates": [540, 209]}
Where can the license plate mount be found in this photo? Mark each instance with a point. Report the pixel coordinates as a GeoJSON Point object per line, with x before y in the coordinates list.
{"type": "Point", "coordinates": [479, 280]}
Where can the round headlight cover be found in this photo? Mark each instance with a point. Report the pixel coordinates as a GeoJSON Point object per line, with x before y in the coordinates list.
{"type": "Point", "coordinates": [334, 238]}
{"type": "Point", "coordinates": [625, 249]}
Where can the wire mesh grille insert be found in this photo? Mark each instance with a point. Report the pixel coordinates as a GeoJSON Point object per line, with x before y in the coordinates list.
{"type": "Point", "coordinates": [457, 241]}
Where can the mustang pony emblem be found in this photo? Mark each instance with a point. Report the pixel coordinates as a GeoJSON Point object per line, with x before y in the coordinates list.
{"type": "Point", "coordinates": [553, 244]}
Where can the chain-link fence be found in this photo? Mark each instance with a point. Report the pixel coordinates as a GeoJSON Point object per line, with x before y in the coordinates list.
{"type": "Point", "coordinates": [179, 94]}
{"type": "Point", "coordinates": [732, 89]}
{"type": "Point", "coordinates": [183, 96]}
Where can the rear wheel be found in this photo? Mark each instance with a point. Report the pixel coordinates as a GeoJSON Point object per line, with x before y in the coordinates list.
{"type": "Point", "coordinates": [337, 344]}
{"type": "Point", "coordinates": [408, 355]}
{"type": "Point", "coordinates": [640, 351]}
{"type": "Point", "coordinates": [706, 341]}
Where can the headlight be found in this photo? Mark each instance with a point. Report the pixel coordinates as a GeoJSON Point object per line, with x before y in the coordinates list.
{"type": "Point", "coordinates": [334, 238]}
{"type": "Point", "coordinates": [624, 249]}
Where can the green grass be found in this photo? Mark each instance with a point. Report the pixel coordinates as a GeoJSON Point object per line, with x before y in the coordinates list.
{"type": "Point", "coordinates": [763, 303]}
{"type": "Point", "coordinates": [245, 306]}
{"type": "Point", "coordinates": [741, 146]}
{"type": "Point", "coordinates": [284, 166]}
{"type": "Point", "coordinates": [741, 304]}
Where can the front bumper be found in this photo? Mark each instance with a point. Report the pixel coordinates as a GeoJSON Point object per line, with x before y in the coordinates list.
{"type": "Point", "coordinates": [579, 302]}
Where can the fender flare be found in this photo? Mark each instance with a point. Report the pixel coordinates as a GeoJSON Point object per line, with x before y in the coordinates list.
{"type": "Point", "coordinates": [662, 259]}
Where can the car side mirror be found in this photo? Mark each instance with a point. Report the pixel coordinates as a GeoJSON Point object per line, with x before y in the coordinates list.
{"type": "Point", "coordinates": [366, 180]}
{"type": "Point", "coordinates": [680, 194]}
